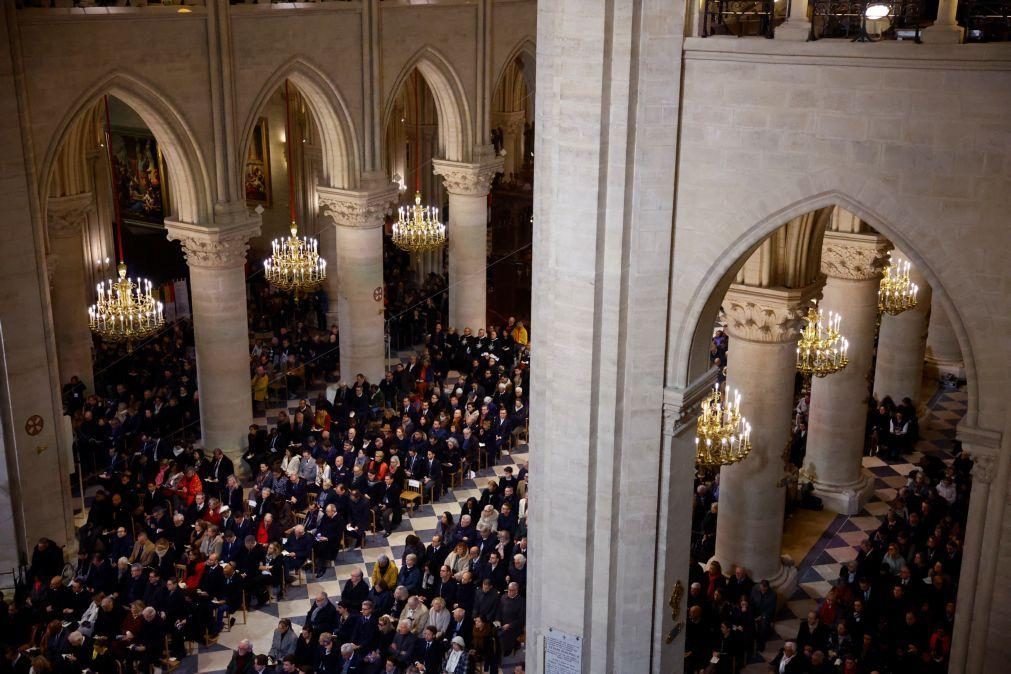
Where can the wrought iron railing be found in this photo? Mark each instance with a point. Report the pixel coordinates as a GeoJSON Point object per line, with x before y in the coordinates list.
{"type": "Point", "coordinates": [739, 17]}
{"type": "Point", "coordinates": [985, 20]}
{"type": "Point", "coordinates": [846, 19]}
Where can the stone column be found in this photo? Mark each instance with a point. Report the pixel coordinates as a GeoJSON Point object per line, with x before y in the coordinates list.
{"type": "Point", "coordinates": [359, 217]}
{"type": "Point", "coordinates": [946, 29]}
{"type": "Point", "coordinates": [985, 461]}
{"type": "Point", "coordinates": [797, 25]}
{"type": "Point", "coordinates": [902, 345]}
{"type": "Point", "coordinates": [467, 231]}
{"type": "Point", "coordinates": [838, 415]}
{"type": "Point", "coordinates": [763, 327]}
{"type": "Point", "coordinates": [217, 257]}
{"type": "Point", "coordinates": [944, 355]}
{"type": "Point", "coordinates": [328, 248]}
{"type": "Point", "coordinates": [66, 217]}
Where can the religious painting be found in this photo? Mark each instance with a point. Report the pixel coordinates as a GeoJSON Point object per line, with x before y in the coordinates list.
{"type": "Point", "coordinates": [256, 175]}
{"type": "Point", "coordinates": [139, 176]}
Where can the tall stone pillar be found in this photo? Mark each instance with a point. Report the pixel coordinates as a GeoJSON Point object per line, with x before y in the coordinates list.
{"type": "Point", "coordinates": [328, 248]}
{"type": "Point", "coordinates": [217, 257]}
{"type": "Point", "coordinates": [66, 217]}
{"type": "Point", "coordinates": [838, 414]}
{"type": "Point", "coordinates": [763, 327]}
{"type": "Point", "coordinates": [358, 217]}
{"type": "Point", "coordinates": [797, 25]}
{"type": "Point", "coordinates": [902, 345]}
{"type": "Point", "coordinates": [603, 205]}
{"type": "Point", "coordinates": [984, 448]}
{"type": "Point", "coordinates": [944, 355]}
{"type": "Point", "coordinates": [467, 231]}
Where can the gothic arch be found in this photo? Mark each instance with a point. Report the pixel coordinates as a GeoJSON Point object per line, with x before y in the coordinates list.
{"type": "Point", "coordinates": [526, 53]}
{"type": "Point", "coordinates": [456, 130]}
{"type": "Point", "coordinates": [878, 208]}
{"type": "Point", "coordinates": [187, 169]}
{"type": "Point", "coordinates": [341, 147]}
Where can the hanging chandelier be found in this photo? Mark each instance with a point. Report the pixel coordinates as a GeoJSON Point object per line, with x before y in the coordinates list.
{"type": "Point", "coordinates": [897, 292]}
{"type": "Point", "coordinates": [294, 264]}
{"type": "Point", "coordinates": [722, 436]}
{"type": "Point", "coordinates": [126, 309]}
{"type": "Point", "coordinates": [417, 228]}
{"type": "Point", "coordinates": [821, 350]}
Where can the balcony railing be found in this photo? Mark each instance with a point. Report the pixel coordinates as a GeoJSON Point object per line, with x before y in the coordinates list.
{"type": "Point", "coordinates": [985, 20]}
{"type": "Point", "coordinates": [847, 19]}
{"type": "Point", "coordinates": [739, 17]}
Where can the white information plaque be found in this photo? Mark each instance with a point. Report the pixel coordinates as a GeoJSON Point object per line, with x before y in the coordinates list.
{"type": "Point", "coordinates": [563, 653]}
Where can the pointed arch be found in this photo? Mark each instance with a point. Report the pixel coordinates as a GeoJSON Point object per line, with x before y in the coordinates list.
{"type": "Point", "coordinates": [876, 207]}
{"type": "Point", "coordinates": [341, 146]}
{"type": "Point", "coordinates": [525, 52]}
{"type": "Point", "coordinates": [186, 167]}
{"type": "Point", "coordinates": [456, 129]}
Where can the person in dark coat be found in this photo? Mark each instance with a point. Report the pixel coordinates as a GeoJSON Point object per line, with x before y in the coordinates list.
{"type": "Point", "coordinates": [513, 615]}
{"type": "Point", "coordinates": [322, 615]}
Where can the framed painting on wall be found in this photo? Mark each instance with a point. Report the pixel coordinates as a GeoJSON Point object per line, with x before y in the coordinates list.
{"type": "Point", "coordinates": [138, 171]}
{"type": "Point", "coordinates": [256, 174]}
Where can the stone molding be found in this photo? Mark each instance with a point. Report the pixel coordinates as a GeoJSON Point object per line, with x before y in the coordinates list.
{"type": "Point", "coordinates": [359, 209]}
{"type": "Point", "coordinates": [681, 406]}
{"type": "Point", "coordinates": [984, 466]}
{"type": "Point", "coordinates": [470, 180]}
{"type": "Point", "coordinates": [983, 445]}
{"type": "Point", "coordinates": [66, 216]}
{"type": "Point", "coordinates": [767, 315]}
{"type": "Point", "coordinates": [213, 247]}
{"type": "Point", "coordinates": [511, 122]}
{"type": "Point", "coordinates": [855, 257]}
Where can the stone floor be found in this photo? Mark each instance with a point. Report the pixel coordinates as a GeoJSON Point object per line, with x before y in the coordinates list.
{"type": "Point", "coordinates": [839, 541]}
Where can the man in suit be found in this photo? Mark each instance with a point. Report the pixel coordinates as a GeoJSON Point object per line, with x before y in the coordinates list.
{"type": "Point", "coordinates": [322, 615]}
{"type": "Point", "coordinates": [428, 650]}
{"type": "Point", "coordinates": [433, 473]}
{"type": "Point", "coordinates": [366, 628]}
{"type": "Point", "coordinates": [788, 661]}
{"type": "Point", "coordinates": [297, 549]}
{"type": "Point", "coordinates": [217, 472]}
{"type": "Point", "coordinates": [390, 509]}
{"type": "Point", "coordinates": [459, 626]}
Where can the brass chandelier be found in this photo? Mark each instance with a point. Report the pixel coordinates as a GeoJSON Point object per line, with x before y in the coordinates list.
{"type": "Point", "coordinates": [821, 350]}
{"type": "Point", "coordinates": [294, 264]}
{"type": "Point", "coordinates": [897, 292]}
{"type": "Point", "coordinates": [722, 435]}
{"type": "Point", "coordinates": [417, 228]}
{"type": "Point", "coordinates": [125, 309]}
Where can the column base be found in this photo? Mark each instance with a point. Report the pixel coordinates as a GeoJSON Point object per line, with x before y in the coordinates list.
{"type": "Point", "coordinates": [937, 369]}
{"type": "Point", "coordinates": [784, 583]}
{"type": "Point", "coordinates": [942, 34]}
{"type": "Point", "coordinates": [846, 499]}
{"type": "Point", "coordinates": [794, 30]}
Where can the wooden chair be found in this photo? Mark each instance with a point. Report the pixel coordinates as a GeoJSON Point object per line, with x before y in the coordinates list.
{"type": "Point", "coordinates": [412, 493]}
{"type": "Point", "coordinates": [167, 661]}
{"type": "Point", "coordinates": [180, 572]}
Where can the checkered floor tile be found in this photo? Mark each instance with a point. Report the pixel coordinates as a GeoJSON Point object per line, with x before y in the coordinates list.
{"type": "Point", "coordinates": [841, 539]}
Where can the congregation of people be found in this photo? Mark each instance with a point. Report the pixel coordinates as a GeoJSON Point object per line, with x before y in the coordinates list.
{"type": "Point", "coordinates": [889, 611]}
{"type": "Point", "coordinates": [179, 541]}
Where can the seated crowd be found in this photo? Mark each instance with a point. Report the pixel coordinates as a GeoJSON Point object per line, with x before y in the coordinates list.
{"type": "Point", "coordinates": [176, 546]}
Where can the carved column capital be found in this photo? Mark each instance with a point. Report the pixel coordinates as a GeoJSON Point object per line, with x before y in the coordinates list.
{"type": "Point", "coordinates": [473, 180]}
{"type": "Point", "coordinates": [853, 256]}
{"type": "Point", "coordinates": [65, 216]}
{"type": "Point", "coordinates": [213, 247]}
{"type": "Point", "coordinates": [984, 466]}
{"type": "Point", "coordinates": [360, 209]}
{"type": "Point", "coordinates": [769, 315]}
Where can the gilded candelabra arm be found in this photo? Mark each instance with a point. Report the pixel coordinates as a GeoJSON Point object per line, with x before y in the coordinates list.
{"type": "Point", "coordinates": [677, 593]}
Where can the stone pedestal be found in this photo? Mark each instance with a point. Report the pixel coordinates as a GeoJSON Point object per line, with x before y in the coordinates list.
{"type": "Point", "coordinates": [944, 355]}
{"type": "Point", "coordinates": [216, 256]}
{"type": "Point", "coordinates": [66, 217]}
{"type": "Point", "coordinates": [838, 415]}
{"type": "Point", "coordinates": [359, 217]}
{"type": "Point", "coordinates": [467, 231]}
{"type": "Point", "coordinates": [763, 327]}
{"type": "Point", "coordinates": [902, 344]}
{"type": "Point", "coordinates": [946, 29]}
